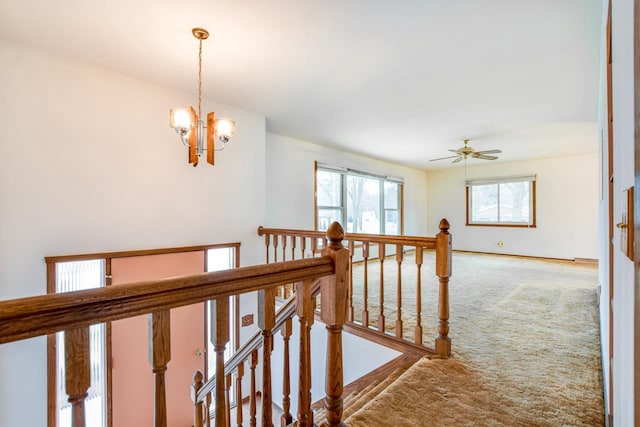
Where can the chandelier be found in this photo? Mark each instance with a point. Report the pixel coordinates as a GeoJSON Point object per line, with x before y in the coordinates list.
{"type": "Point", "coordinates": [189, 125]}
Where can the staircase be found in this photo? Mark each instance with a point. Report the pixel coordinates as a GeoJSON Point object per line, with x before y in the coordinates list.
{"type": "Point", "coordinates": [368, 315]}
{"type": "Point", "coordinates": [357, 399]}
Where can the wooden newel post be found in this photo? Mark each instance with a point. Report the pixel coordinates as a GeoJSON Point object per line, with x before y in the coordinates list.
{"type": "Point", "coordinates": [198, 407]}
{"type": "Point", "coordinates": [78, 372]}
{"type": "Point", "coordinates": [443, 271]}
{"type": "Point", "coordinates": [334, 291]}
{"type": "Point", "coordinates": [159, 357]}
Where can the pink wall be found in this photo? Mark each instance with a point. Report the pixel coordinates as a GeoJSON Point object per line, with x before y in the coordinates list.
{"type": "Point", "coordinates": [133, 383]}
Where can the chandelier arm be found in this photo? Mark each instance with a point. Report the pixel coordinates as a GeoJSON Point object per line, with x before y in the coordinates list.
{"type": "Point", "coordinates": [184, 136]}
{"type": "Point", "coordinates": [224, 141]}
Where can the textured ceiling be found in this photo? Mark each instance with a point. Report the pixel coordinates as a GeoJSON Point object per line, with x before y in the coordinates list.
{"type": "Point", "coordinates": [403, 80]}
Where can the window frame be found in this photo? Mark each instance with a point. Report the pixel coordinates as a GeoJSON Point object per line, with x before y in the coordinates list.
{"type": "Point", "coordinates": [503, 180]}
{"type": "Point", "coordinates": [343, 207]}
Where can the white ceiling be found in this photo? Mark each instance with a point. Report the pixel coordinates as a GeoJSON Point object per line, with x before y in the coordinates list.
{"type": "Point", "coordinates": [399, 80]}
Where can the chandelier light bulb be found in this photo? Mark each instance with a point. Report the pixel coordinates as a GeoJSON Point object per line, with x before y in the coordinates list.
{"type": "Point", "coordinates": [181, 118]}
{"type": "Point", "coordinates": [225, 127]}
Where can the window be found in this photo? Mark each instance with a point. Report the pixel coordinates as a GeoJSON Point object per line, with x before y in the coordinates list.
{"type": "Point", "coordinates": [361, 202]}
{"type": "Point", "coordinates": [77, 276]}
{"type": "Point", "coordinates": [219, 259]}
{"type": "Point", "coordinates": [502, 201]}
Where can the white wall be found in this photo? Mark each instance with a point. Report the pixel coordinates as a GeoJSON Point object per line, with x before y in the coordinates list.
{"type": "Point", "coordinates": [290, 177]}
{"type": "Point", "coordinates": [566, 208]}
{"type": "Point", "coordinates": [623, 135]}
{"type": "Point", "coordinates": [89, 163]}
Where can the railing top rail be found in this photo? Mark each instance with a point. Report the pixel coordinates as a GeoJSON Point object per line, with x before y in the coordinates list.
{"type": "Point", "coordinates": [40, 315]}
{"type": "Point", "coordinates": [417, 241]}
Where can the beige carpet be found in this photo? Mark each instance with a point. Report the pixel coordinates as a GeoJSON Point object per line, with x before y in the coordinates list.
{"type": "Point", "coordinates": [525, 346]}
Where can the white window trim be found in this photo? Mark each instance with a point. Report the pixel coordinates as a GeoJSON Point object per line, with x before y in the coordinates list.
{"type": "Point", "coordinates": [344, 172]}
{"type": "Point", "coordinates": [502, 180]}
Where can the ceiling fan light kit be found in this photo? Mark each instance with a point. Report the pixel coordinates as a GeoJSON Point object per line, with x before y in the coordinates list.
{"type": "Point", "coordinates": [465, 152]}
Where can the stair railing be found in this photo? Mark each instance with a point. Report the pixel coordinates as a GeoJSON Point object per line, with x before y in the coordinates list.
{"type": "Point", "coordinates": [364, 248]}
{"type": "Point", "coordinates": [74, 312]}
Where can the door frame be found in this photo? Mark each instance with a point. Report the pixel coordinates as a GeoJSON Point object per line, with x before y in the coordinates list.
{"type": "Point", "coordinates": [610, 203]}
{"type": "Point", "coordinates": [636, 204]}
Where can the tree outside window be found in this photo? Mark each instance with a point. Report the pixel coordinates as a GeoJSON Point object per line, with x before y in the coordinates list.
{"type": "Point", "coordinates": [362, 202]}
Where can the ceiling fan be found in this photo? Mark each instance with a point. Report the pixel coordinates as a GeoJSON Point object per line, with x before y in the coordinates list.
{"type": "Point", "coordinates": [466, 151]}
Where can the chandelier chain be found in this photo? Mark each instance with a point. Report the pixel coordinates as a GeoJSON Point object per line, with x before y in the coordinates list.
{"type": "Point", "coordinates": [199, 79]}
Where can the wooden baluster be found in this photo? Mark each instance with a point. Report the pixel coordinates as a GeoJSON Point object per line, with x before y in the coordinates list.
{"type": "Point", "coordinates": [399, 258]}
{"type": "Point", "coordinates": [207, 411]}
{"type": "Point", "coordinates": [275, 248]}
{"type": "Point", "coordinates": [284, 288]}
{"type": "Point", "coordinates": [365, 294]}
{"type": "Point", "coordinates": [239, 376]}
{"type": "Point", "coordinates": [284, 248]}
{"type": "Point", "coordinates": [443, 271]}
{"type": "Point", "coordinates": [198, 407]}
{"type": "Point", "coordinates": [381, 255]}
{"type": "Point", "coordinates": [220, 337]}
{"type": "Point", "coordinates": [78, 372]}
{"type": "Point", "coordinates": [227, 399]}
{"type": "Point", "coordinates": [159, 357]}
{"type": "Point", "coordinates": [293, 247]}
{"type": "Point", "coordinates": [350, 313]}
{"type": "Point", "coordinates": [303, 246]}
{"type": "Point", "coordinates": [418, 329]}
{"type": "Point", "coordinates": [286, 418]}
{"type": "Point", "coordinates": [252, 397]}
{"type": "Point", "coordinates": [267, 242]}
{"type": "Point", "coordinates": [293, 257]}
{"type": "Point", "coordinates": [266, 322]}
{"type": "Point", "coordinates": [280, 288]}
{"type": "Point", "coordinates": [305, 312]}
{"type": "Point", "coordinates": [334, 312]}
{"type": "Point", "coordinates": [314, 246]}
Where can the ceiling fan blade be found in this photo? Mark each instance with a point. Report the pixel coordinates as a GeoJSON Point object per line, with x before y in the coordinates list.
{"type": "Point", "coordinates": [482, 156]}
{"type": "Point", "coordinates": [442, 158]}
{"type": "Point", "coordinates": [457, 160]}
{"type": "Point", "coordinates": [455, 151]}
{"type": "Point", "coordinates": [489, 152]}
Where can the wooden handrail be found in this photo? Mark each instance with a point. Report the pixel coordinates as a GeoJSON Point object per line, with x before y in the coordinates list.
{"type": "Point", "coordinates": [74, 312]}
{"type": "Point", "coordinates": [40, 315]}
{"type": "Point", "coordinates": [423, 242]}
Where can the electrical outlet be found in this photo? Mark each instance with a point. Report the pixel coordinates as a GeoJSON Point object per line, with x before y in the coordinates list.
{"type": "Point", "coordinates": [501, 243]}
